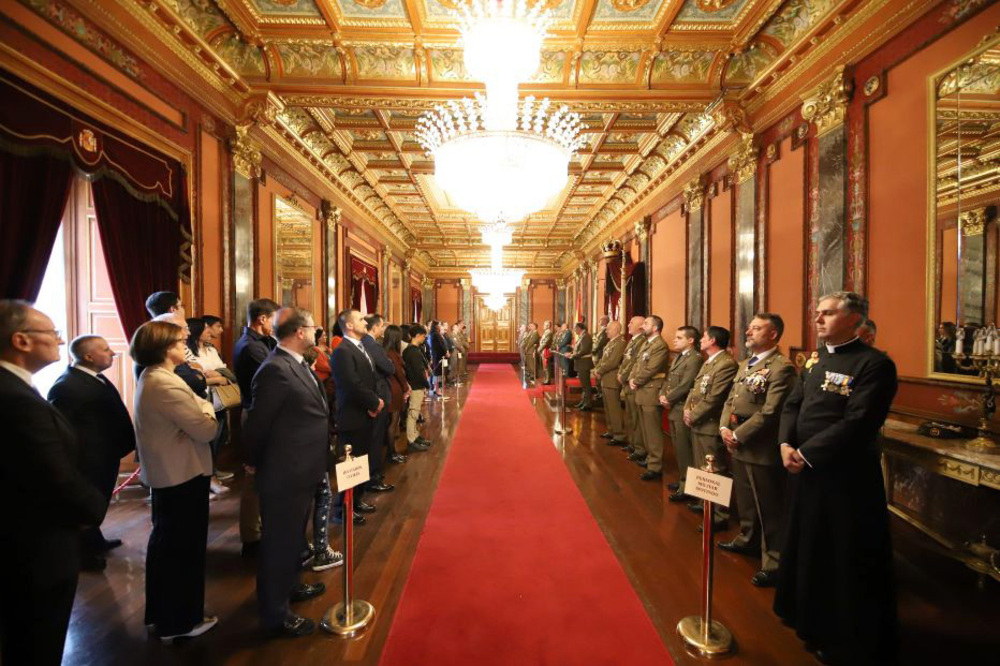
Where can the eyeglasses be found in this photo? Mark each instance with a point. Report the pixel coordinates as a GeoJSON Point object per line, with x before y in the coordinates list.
{"type": "Point", "coordinates": [51, 331]}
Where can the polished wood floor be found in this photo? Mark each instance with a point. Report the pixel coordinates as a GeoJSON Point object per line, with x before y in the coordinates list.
{"type": "Point", "coordinates": [945, 618]}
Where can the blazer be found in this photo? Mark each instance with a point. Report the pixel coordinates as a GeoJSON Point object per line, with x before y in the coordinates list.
{"type": "Point", "coordinates": [529, 346]}
{"type": "Point", "coordinates": [356, 387]}
{"type": "Point", "coordinates": [98, 415]}
{"type": "Point", "coordinates": [415, 366]}
{"type": "Point", "coordinates": [398, 384]}
{"type": "Point", "coordinates": [683, 371]}
{"type": "Point", "coordinates": [709, 393]}
{"type": "Point", "coordinates": [383, 367]}
{"type": "Point", "coordinates": [41, 528]}
{"type": "Point", "coordinates": [250, 351]}
{"type": "Point", "coordinates": [753, 408]}
{"type": "Point", "coordinates": [600, 340]}
{"type": "Point", "coordinates": [610, 361]}
{"type": "Point", "coordinates": [287, 431]}
{"type": "Point", "coordinates": [629, 357]}
{"type": "Point", "coordinates": [173, 429]}
{"type": "Point", "coordinates": [649, 371]}
{"type": "Point", "coordinates": [582, 359]}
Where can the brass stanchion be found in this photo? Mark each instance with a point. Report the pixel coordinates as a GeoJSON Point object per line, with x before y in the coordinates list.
{"type": "Point", "coordinates": [561, 426]}
{"type": "Point", "coordinates": [444, 379]}
{"type": "Point", "coordinates": [349, 617]}
{"type": "Point", "coordinates": [706, 636]}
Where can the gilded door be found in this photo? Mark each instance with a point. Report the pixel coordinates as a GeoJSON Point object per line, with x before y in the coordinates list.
{"type": "Point", "coordinates": [495, 329]}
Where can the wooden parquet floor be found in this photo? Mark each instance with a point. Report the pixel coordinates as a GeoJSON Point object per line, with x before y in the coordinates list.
{"type": "Point", "coordinates": [944, 618]}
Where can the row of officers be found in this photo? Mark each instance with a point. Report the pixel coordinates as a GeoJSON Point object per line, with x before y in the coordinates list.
{"type": "Point", "coordinates": [802, 448]}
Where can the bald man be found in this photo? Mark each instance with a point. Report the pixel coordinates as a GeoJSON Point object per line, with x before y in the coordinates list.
{"type": "Point", "coordinates": [40, 539]}
{"type": "Point", "coordinates": [93, 405]}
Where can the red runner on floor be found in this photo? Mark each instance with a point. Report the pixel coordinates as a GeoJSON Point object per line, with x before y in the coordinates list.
{"type": "Point", "coordinates": [512, 567]}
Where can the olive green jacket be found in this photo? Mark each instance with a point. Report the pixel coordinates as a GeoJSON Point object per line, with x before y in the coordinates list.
{"type": "Point", "coordinates": [611, 360]}
{"type": "Point", "coordinates": [709, 393]}
{"type": "Point", "coordinates": [650, 371]}
{"type": "Point", "coordinates": [632, 351]}
{"type": "Point", "coordinates": [753, 408]}
{"type": "Point", "coordinates": [680, 379]}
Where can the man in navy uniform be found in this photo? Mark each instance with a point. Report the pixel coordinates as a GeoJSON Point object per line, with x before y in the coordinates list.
{"type": "Point", "coordinates": [835, 583]}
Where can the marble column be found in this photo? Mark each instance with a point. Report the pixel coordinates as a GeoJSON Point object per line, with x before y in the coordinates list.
{"type": "Point", "coordinates": [560, 301]}
{"type": "Point", "coordinates": [694, 200]}
{"type": "Point", "coordinates": [524, 303]}
{"type": "Point", "coordinates": [246, 161]}
{"type": "Point", "coordinates": [645, 256]}
{"type": "Point", "coordinates": [466, 309]}
{"type": "Point", "coordinates": [743, 168]}
{"type": "Point", "coordinates": [429, 312]}
{"type": "Point", "coordinates": [331, 259]}
{"type": "Point", "coordinates": [826, 107]}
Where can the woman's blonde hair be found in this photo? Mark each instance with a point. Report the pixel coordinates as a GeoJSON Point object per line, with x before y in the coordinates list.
{"type": "Point", "coordinates": [151, 342]}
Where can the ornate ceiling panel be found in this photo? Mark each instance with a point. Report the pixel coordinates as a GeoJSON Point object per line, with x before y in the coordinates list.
{"type": "Point", "coordinates": [355, 75]}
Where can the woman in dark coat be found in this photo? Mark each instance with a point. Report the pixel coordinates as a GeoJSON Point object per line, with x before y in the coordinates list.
{"type": "Point", "coordinates": [399, 388]}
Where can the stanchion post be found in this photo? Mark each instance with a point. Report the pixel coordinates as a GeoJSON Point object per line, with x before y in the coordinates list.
{"type": "Point", "coordinates": [348, 618]}
{"type": "Point", "coordinates": [562, 427]}
{"type": "Point", "coordinates": [708, 637]}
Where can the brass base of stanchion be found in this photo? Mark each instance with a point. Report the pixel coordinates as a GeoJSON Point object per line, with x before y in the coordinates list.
{"type": "Point", "coordinates": [336, 623]}
{"type": "Point", "coordinates": [719, 643]}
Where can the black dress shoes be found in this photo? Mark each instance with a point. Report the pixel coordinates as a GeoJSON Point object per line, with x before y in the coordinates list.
{"type": "Point", "coordinates": [425, 442]}
{"type": "Point", "coordinates": [293, 627]}
{"type": "Point", "coordinates": [641, 463]}
{"type": "Point", "coordinates": [358, 518]}
{"type": "Point", "coordinates": [697, 507]}
{"type": "Point", "coordinates": [650, 475]}
{"type": "Point", "coordinates": [635, 456]}
{"type": "Point", "coordinates": [765, 579]}
{"type": "Point", "coordinates": [381, 487]}
{"type": "Point", "coordinates": [629, 449]}
{"type": "Point", "coordinates": [110, 544]}
{"type": "Point", "coordinates": [363, 507]}
{"type": "Point", "coordinates": [307, 591]}
{"type": "Point", "coordinates": [607, 435]}
{"type": "Point", "coordinates": [617, 442]}
{"type": "Point", "coordinates": [742, 549]}
{"type": "Point", "coordinates": [398, 458]}
{"type": "Point", "coordinates": [679, 497]}
{"type": "Point", "coordinates": [417, 446]}
{"type": "Point", "coordinates": [673, 486]}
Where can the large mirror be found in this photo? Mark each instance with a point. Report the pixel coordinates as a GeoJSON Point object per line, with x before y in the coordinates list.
{"type": "Point", "coordinates": [966, 195]}
{"type": "Point", "coordinates": [293, 254]}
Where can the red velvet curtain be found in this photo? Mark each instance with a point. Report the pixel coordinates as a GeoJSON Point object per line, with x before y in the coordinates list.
{"type": "Point", "coordinates": [140, 195]}
{"type": "Point", "coordinates": [140, 247]}
{"type": "Point", "coordinates": [364, 279]}
{"type": "Point", "coordinates": [33, 194]}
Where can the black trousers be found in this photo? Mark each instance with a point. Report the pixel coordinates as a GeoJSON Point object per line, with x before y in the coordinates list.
{"type": "Point", "coordinates": [175, 558]}
{"type": "Point", "coordinates": [34, 616]}
{"type": "Point", "coordinates": [379, 443]}
{"type": "Point", "coordinates": [284, 517]}
{"type": "Point", "coordinates": [102, 474]}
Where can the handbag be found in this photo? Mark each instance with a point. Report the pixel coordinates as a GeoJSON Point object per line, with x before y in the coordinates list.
{"type": "Point", "coordinates": [226, 396]}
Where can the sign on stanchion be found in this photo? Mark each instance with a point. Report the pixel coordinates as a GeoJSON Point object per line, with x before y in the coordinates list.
{"type": "Point", "coordinates": [561, 426]}
{"type": "Point", "coordinates": [706, 636]}
{"type": "Point", "coordinates": [349, 617]}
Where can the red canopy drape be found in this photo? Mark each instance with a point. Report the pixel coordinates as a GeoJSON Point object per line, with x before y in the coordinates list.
{"type": "Point", "coordinates": [140, 196]}
{"type": "Point", "coordinates": [364, 280]}
{"type": "Point", "coordinates": [635, 288]}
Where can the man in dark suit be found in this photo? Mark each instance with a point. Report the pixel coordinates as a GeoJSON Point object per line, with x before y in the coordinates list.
{"type": "Point", "coordinates": [384, 369]}
{"type": "Point", "coordinates": [93, 405]}
{"type": "Point", "coordinates": [358, 401]}
{"type": "Point", "coordinates": [287, 435]}
{"type": "Point", "coordinates": [40, 538]}
{"type": "Point", "coordinates": [583, 363]}
{"type": "Point", "coordinates": [249, 353]}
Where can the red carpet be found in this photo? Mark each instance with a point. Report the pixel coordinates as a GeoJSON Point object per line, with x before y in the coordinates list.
{"type": "Point", "coordinates": [511, 567]}
{"type": "Point", "coordinates": [494, 357]}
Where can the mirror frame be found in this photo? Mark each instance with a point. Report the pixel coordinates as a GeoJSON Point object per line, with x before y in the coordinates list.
{"type": "Point", "coordinates": [292, 202]}
{"type": "Point", "coordinates": [933, 81]}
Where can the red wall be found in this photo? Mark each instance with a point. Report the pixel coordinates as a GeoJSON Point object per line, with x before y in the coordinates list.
{"type": "Point", "coordinates": [446, 302]}
{"type": "Point", "coordinates": [543, 303]}
{"type": "Point", "coordinates": [786, 274]}
{"type": "Point", "coordinates": [668, 275]}
{"type": "Point", "coordinates": [720, 253]}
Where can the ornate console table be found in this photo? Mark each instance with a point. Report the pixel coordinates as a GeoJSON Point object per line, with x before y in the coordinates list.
{"type": "Point", "coordinates": [947, 491]}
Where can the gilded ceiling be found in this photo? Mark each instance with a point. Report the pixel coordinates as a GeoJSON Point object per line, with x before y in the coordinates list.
{"type": "Point", "coordinates": [354, 75]}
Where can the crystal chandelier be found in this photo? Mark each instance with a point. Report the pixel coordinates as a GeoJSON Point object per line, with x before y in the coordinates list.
{"type": "Point", "coordinates": [495, 156]}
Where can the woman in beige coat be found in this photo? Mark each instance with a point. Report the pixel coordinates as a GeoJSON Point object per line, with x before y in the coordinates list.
{"type": "Point", "coordinates": [174, 429]}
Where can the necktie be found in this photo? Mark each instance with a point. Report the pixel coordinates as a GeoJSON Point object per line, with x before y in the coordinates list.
{"type": "Point", "coordinates": [753, 359]}
{"type": "Point", "coordinates": [310, 373]}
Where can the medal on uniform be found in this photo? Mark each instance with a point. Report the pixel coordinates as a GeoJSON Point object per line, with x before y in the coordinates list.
{"type": "Point", "coordinates": [757, 382]}
{"type": "Point", "coordinates": [838, 383]}
{"type": "Point", "coordinates": [813, 360]}
{"type": "Point", "coordinates": [706, 381]}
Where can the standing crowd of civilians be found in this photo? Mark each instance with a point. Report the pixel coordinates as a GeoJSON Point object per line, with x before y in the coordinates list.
{"type": "Point", "coordinates": [302, 395]}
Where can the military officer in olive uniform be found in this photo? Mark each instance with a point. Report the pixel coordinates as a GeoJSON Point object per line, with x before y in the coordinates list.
{"type": "Point", "coordinates": [835, 579]}
{"type": "Point", "coordinates": [749, 429]}
{"type": "Point", "coordinates": [583, 363]}
{"type": "Point", "coordinates": [673, 395]}
{"type": "Point", "coordinates": [600, 339]}
{"type": "Point", "coordinates": [646, 379]}
{"type": "Point", "coordinates": [633, 431]}
{"type": "Point", "coordinates": [529, 351]}
{"type": "Point", "coordinates": [606, 373]}
{"type": "Point", "coordinates": [544, 343]}
{"type": "Point", "coordinates": [703, 408]}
